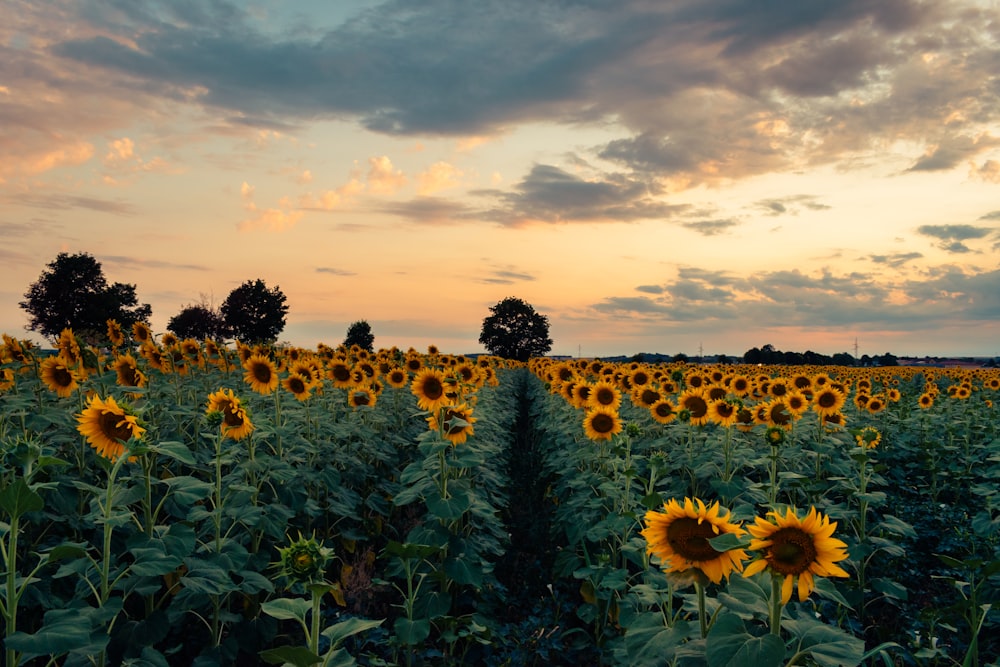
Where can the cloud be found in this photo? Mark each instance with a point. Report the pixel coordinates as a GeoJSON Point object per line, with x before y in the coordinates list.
{"type": "Point", "coordinates": [439, 176]}
{"type": "Point", "coordinates": [989, 171]}
{"type": "Point", "coordinates": [67, 202]}
{"type": "Point", "coordinates": [429, 211]}
{"type": "Point", "coordinates": [141, 263]}
{"type": "Point", "coordinates": [952, 151]}
{"type": "Point", "coordinates": [382, 177]}
{"type": "Point", "coordinates": [790, 205]}
{"type": "Point", "coordinates": [549, 194]}
{"type": "Point", "coordinates": [506, 276]}
{"type": "Point", "coordinates": [270, 219]}
{"type": "Point", "coordinates": [710, 227]}
{"type": "Point", "coordinates": [335, 272]}
{"type": "Point", "coordinates": [952, 236]}
{"type": "Point", "coordinates": [896, 260]}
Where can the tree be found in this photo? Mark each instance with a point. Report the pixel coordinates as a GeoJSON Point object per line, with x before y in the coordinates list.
{"type": "Point", "coordinates": [360, 334]}
{"type": "Point", "coordinates": [254, 313]}
{"type": "Point", "coordinates": [73, 293]}
{"type": "Point", "coordinates": [198, 321]}
{"type": "Point", "coordinates": [515, 331]}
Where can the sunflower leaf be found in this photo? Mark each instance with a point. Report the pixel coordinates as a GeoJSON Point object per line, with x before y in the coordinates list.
{"type": "Point", "coordinates": [728, 542]}
{"type": "Point", "coordinates": [730, 645]}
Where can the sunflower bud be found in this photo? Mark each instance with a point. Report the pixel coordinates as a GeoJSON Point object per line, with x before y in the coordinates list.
{"type": "Point", "coordinates": [775, 436]}
{"type": "Point", "coordinates": [304, 560]}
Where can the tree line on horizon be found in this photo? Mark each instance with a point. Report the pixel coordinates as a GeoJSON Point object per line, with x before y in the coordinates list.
{"type": "Point", "coordinates": [73, 293]}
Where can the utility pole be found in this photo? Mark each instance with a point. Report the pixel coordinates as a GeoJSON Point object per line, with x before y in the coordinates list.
{"type": "Point", "coordinates": [855, 347]}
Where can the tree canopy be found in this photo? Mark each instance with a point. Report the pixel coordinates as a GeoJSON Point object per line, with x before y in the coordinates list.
{"type": "Point", "coordinates": [360, 334]}
{"type": "Point", "coordinates": [73, 293]}
{"type": "Point", "coordinates": [254, 313]}
{"type": "Point", "coordinates": [515, 331]}
{"type": "Point", "coordinates": [198, 321]}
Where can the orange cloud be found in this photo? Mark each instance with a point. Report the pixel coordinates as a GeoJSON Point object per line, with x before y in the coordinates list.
{"type": "Point", "coordinates": [439, 176]}
{"type": "Point", "coordinates": [383, 177]}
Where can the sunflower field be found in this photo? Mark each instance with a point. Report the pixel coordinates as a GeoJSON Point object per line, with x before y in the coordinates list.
{"type": "Point", "coordinates": [182, 502]}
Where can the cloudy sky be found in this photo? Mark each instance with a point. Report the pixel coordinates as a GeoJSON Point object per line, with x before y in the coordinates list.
{"type": "Point", "coordinates": [654, 176]}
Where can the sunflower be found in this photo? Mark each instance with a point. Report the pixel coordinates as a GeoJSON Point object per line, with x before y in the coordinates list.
{"type": "Point", "coordinates": [827, 401]}
{"type": "Point", "coordinates": [926, 400]}
{"type": "Point", "coordinates": [361, 395]}
{"type": "Point", "coordinates": [797, 402]}
{"type": "Point", "coordinates": [694, 402]}
{"type": "Point", "coordinates": [107, 426]}
{"type": "Point", "coordinates": [141, 332]}
{"type": "Point", "coordinates": [601, 423]}
{"type": "Point", "coordinates": [429, 386]}
{"type": "Point", "coordinates": [663, 411]}
{"type": "Point", "coordinates": [876, 404]}
{"type": "Point", "coordinates": [740, 386]}
{"type": "Point", "coordinates": [115, 334]}
{"type": "Point", "coordinates": [168, 340]}
{"type": "Point", "coordinates": [869, 437]}
{"type": "Point", "coordinates": [679, 538]}
{"type": "Point", "coordinates": [778, 413]}
{"type": "Point", "coordinates": [604, 394]}
{"type": "Point", "coordinates": [639, 377]}
{"type": "Point", "coordinates": [796, 548]}
{"type": "Point", "coordinates": [127, 372]}
{"type": "Point", "coordinates": [455, 424]}
{"type": "Point", "coordinates": [261, 374]}
{"type": "Point", "coordinates": [6, 379]}
{"type": "Point", "coordinates": [298, 385]}
{"type": "Point", "coordinates": [397, 378]}
{"type": "Point", "coordinates": [58, 376]}
{"type": "Point", "coordinates": [646, 396]}
{"type": "Point", "coordinates": [581, 394]}
{"type": "Point", "coordinates": [339, 372]}
{"type": "Point", "coordinates": [236, 423]}
{"type": "Point", "coordinates": [722, 412]}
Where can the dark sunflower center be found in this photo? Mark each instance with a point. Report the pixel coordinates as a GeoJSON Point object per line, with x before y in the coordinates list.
{"type": "Point", "coordinates": [696, 405]}
{"type": "Point", "coordinates": [62, 377]}
{"type": "Point", "coordinates": [341, 373]}
{"type": "Point", "coordinates": [114, 428]}
{"type": "Point", "coordinates": [779, 415]}
{"type": "Point", "coordinates": [605, 396]}
{"type": "Point", "coordinates": [689, 539]}
{"type": "Point", "coordinates": [649, 396]}
{"type": "Point", "coordinates": [432, 388]}
{"type": "Point", "coordinates": [827, 399]}
{"type": "Point", "coordinates": [128, 375]}
{"type": "Point", "coordinates": [664, 410]}
{"type": "Point", "coordinates": [262, 373]}
{"type": "Point", "coordinates": [792, 551]}
{"type": "Point", "coordinates": [602, 423]}
{"type": "Point", "coordinates": [725, 410]}
{"type": "Point", "coordinates": [362, 398]}
{"type": "Point", "coordinates": [233, 417]}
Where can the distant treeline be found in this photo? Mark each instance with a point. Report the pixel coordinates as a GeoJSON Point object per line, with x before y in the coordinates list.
{"type": "Point", "coordinates": [768, 355]}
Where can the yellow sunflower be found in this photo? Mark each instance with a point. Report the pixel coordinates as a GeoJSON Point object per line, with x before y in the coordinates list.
{"type": "Point", "coordinates": [679, 538]}
{"type": "Point", "coordinates": [694, 402]}
{"type": "Point", "coordinates": [663, 411]}
{"type": "Point", "coordinates": [429, 386]}
{"type": "Point", "coordinates": [115, 334]}
{"type": "Point", "coordinates": [108, 426]}
{"type": "Point", "coordinates": [604, 394]}
{"type": "Point", "coordinates": [796, 549]}
{"type": "Point", "coordinates": [361, 395]}
{"type": "Point", "coordinates": [236, 423]}
{"type": "Point", "coordinates": [127, 372]}
{"type": "Point", "coordinates": [828, 401]}
{"type": "Point", "coordinates": [601, 423]}
{"type": "Point", "coordinates": [455, 423]}
{"type": "Point", "coordinates": [722, 412]}
{"type": "Point", "coordinates": [339, 372]}
{"type": "Point", "coordinates": [58, 376]}
{"type": "Point", "coordinates": [397, 378]}
{"type": "Point", "coordinates": [298, 385]}
{"type": "Point", "coordinates": [261, 374]}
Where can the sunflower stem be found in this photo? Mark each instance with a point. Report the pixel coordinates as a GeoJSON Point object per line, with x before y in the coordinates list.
{"type": "Point", "coordinates": [702, 620]}
{"type": "Point", "coordinates": [776, 604]}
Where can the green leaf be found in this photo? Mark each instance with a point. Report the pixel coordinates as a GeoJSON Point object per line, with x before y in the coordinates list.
{"type": "Point", "coordinates": [897, 526]}
{"type": "Point", "coordinates": [338, 632]}
{"type": "Point", "coordinates": [890, 588]}
{"type": "Point", "coordinates": [187, 490]}
{"type": "Point", "coordinates": [17, 499]}
{"type": "Point", "coordinates": [151, 561]}
{"type": "Point", "coordinates": [730, 645]}
{"type": "Point", "coordinates": [649, 643]}
{"type": "Point", "coordinates": [464, 570]}
{"type": "Point", "coordinates": [175, 450]}
{"type": "Point", "coordinates": [63, 631]}
{"type": "Point", "coordinates": [828, 645]}
{"type": "Point", "coordinates": [728, 542]}
{"type": "Point", "coordinates": [827, 589]}
{"type": "Point", "coordinates": [450, 508]}
{"type": "Point", "coordinates": [412, 632]}
{"type": "Point", "coordinates": [287, 609]}
{"type": "Point", "coordinates": [299, 656]}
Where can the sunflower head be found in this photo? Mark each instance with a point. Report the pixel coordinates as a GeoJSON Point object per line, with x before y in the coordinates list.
{"type": "Point", "coordinates": [453, 422]}
{"type": "Point", "coordinates": [304, 561]}
{"type": "Point", "coordinates": [261, 374]}
{"type": "Point", "coordinates": [108, 426]}
{"type": "Point", "coordinates": [774, 436]}
{"type": "Point", "coordinates": [680, 537]}
{"type": "Point", "coordinates": [796, 549]}
{"type": "Point", "coordinates": [601, 423]}
{"type": "Point", "coordinates": [868, 437]}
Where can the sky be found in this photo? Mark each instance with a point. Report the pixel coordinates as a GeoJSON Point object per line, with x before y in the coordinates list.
{"type": "Point", "coordinates": [672, 176]}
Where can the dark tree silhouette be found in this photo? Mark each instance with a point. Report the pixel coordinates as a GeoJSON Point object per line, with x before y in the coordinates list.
{"type": "Point", "coordinates": [515, 331]}
{"type": "Point", "coordinates": [198, 321]}
{"type": "Point", "coordinates": [360, 334]}
{"type": "Point", "coordinates": [254, 313]}
{"type": "Point", "coordinates": [73, 293]}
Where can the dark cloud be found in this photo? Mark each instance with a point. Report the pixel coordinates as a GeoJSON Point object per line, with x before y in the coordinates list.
{"type": "Point", "coordinates": [952, 236]}
{"type": "Point", "coordinates": [896, 260]}
{"type": "Point", "coordinates": [334, 271]}
{"type": "Point", "coordinates": [952, 151]}
{"type": "Point", "coordinates": [791, 205]}
{"type": "Point", "coordinates": [140, 263]}
{"type": "Point", "coordinates": [429, 210]}
{"type": "Point", "coordinates": [550, 194]}
{"type": "Point", "coordinates": [710, 227]}
{"type": "Point", "coordinates": [63, 202]}
{"type": "Point", "coordinates": [650, 289]}
{"type": "Point", "coordinates": [992, 215]}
